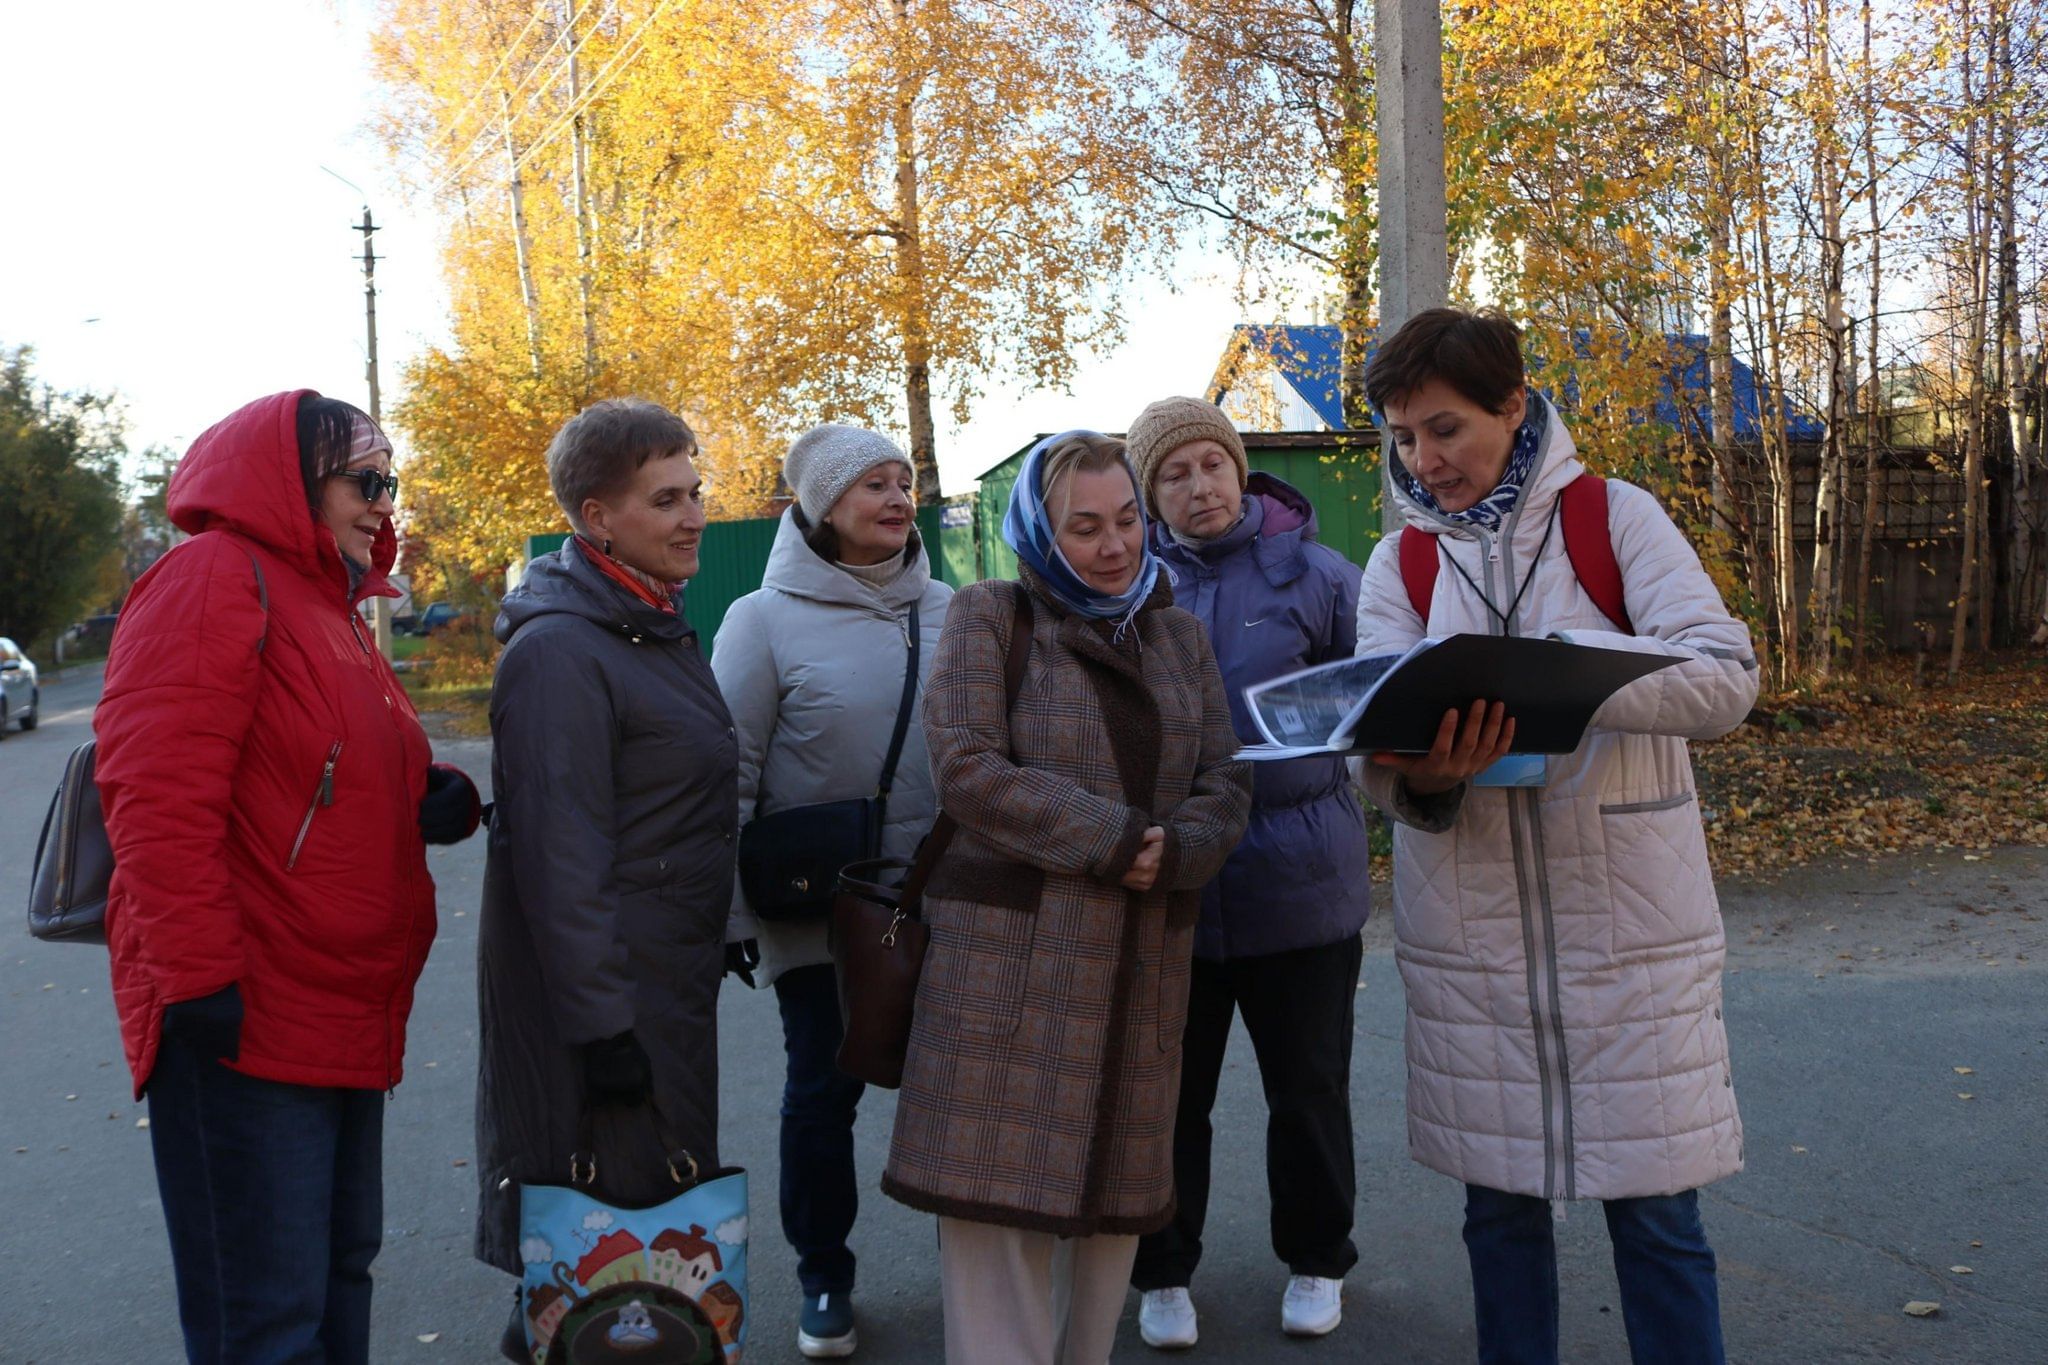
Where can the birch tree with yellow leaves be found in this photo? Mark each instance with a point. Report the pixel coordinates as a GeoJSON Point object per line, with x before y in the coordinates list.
{"type": "Point", "coordinates": [763, 216]}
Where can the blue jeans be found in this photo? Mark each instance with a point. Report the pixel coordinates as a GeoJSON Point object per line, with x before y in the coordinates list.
{"type": "Point", "coordinates": [273, 1196]}
{"type": "Point", "coordinates": [820, 1195]}
{"type": "Point", "coordinates": [1670, 1300]}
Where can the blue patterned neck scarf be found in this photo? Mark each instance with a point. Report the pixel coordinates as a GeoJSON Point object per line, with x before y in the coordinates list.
{"type": "Point", "coordinates": [1028, 529]}
{"type": "Point", "coordinates": [1490, 511]}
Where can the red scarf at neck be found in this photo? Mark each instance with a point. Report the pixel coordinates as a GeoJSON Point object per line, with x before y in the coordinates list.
{"type": "Point", "coordinates": [627, 577]}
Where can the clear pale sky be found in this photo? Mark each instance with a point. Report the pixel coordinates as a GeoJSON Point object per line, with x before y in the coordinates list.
{"type": "Point", "coordinates": [169, 232]}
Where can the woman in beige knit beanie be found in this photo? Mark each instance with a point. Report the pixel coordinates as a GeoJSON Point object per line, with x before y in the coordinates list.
{"type": "Point", "coordinates": [1277, 937]}
{"type": "Point", "coordinates": [1167, 425]}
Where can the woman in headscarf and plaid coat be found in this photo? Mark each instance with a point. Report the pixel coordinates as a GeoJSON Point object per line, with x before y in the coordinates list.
{"type": "Point", "coordinates": [1036, 1117]}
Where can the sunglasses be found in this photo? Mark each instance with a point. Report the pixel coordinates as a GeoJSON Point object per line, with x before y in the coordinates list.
{"type": "Point", "coordinates": [371, 483]}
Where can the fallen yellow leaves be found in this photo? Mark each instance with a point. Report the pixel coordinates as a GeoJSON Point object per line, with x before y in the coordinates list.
{"type": "Point", "coordinates": [1888, 769]}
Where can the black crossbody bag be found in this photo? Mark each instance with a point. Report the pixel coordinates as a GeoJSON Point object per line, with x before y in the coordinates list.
{"type": "Point", "coordinates": [67, 898]}
{"type": "Point", "coordinates": [789, 861]}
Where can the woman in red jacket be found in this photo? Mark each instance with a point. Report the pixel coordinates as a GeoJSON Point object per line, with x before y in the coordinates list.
{"type": "Point", "coordinates": [268, 794]}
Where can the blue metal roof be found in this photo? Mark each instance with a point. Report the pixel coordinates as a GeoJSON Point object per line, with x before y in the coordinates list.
{"type": "Point", "coordinates": [1307, 357]}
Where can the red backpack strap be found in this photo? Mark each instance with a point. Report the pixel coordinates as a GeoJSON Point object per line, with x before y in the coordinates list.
{"type": "Point", "coordinates": [1589, 543]}
{"type": "Point", "coordinates": [1419, 565]}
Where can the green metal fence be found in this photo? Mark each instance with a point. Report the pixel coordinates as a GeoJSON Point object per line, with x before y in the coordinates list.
{"type": "Point", "coordinates": [734, 555]}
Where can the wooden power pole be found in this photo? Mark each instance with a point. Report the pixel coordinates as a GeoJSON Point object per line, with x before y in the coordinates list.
{"type": "Point", "coordinates": [380, 607]}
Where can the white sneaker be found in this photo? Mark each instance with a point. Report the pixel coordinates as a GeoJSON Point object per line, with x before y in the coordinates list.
{"type": "Point", "coordinates": [1312, 1306]}
{"type": "Point", "coordinates": [1166, 1319]}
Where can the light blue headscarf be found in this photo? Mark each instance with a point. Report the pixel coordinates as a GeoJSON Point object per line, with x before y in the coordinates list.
{"type": "Point", "coordinates": [1490, 511]}
{"type": "Point", "coordinates": [1028, 529]}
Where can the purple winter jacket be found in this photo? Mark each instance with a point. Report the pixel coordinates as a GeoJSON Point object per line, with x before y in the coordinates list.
{"type": "Point", "coordinates": [1273, 600]}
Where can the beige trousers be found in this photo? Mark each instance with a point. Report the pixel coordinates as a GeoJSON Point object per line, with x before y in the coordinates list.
{"type": "Point", "coordinates": [1030, 1298]}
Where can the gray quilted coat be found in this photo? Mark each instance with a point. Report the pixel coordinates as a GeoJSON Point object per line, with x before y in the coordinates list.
{"type": "Point", "coordinates": [1561, 946]}
{"type": "Point", "coordinates": [812, 666]}
{"type": "Point", "coordinates": [605, 895]}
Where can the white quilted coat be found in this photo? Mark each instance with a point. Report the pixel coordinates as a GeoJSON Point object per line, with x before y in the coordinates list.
{"type": "Point", "coordinates": [1561, 947]}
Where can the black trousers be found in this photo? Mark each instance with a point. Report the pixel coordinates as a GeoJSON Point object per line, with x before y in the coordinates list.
{"type": "Point", "coordinates": [1299, 1009]}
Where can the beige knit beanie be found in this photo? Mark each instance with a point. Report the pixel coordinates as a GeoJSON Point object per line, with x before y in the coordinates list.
{"type": "Point", "coordinates": [1167, 425]}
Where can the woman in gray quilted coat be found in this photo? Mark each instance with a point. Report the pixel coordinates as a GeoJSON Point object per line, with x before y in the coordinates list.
{"type": "Point", "coordinates": [1036, 1117]}
{"type": "Point", "coordinates": [610, 869]}
{"type": "Point", "coordinates": [1560, 943]}
{"type": "Point", "coordinates": [812, 666]}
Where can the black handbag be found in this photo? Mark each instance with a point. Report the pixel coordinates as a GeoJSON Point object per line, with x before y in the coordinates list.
{"type": "Point", "coordinates": [67, 898]}
{"type": "Point", "coordinates": [789, 860]}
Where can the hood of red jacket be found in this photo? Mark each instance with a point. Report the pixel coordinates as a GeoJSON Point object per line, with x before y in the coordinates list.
{"type": "Point", "coordinates": [242, 475]}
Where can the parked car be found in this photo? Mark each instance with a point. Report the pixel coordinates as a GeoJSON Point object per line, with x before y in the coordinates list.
{"type": "Point", "coordinates": [437, 616]}
{"type": "Point", "coordinates": [92, 636]}
{"type": "Point", "coordinates": [21, 698]}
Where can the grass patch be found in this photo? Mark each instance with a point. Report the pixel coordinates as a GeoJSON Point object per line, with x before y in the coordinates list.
{"type": "Point", "coordinates": [462, 710]}
{"type": "Point", "coordinates": [450, 680]}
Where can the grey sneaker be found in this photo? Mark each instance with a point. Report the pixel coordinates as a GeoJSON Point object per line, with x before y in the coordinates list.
{"type": "Point", "coordinates": [825, 1328]}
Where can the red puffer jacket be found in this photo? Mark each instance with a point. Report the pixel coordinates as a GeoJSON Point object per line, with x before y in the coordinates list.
{"type": "Point", "coordinates": [263, 804]}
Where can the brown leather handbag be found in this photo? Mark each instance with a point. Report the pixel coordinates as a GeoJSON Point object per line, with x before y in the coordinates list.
{"type": "Point", "coordinates": [878, 933]}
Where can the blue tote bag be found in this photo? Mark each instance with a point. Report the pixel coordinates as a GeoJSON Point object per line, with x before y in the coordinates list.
{"type": "Point", "coordinates": [662, 1284]}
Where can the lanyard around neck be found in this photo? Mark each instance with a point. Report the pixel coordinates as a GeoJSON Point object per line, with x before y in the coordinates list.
{"type": "Point", "coordinates": [1527, 578]}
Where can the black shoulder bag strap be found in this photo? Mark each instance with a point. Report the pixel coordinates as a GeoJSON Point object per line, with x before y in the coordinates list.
{"type": "Point", "coordinates": [902, 725]}
{"type": "Point", "coordinates": [1015, 660]}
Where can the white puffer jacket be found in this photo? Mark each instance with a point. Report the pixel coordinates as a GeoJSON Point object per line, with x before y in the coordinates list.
{"type": "Point", "coordinates": [1561, 947]}
{"type": "Point", "coordinates": [811, 665]}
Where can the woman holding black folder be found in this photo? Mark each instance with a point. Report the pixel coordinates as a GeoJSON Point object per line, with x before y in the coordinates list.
{"type": "Point", "coordinates": [1559, 941]}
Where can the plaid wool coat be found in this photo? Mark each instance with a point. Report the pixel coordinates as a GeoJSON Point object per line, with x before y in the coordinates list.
{"type": "Point", "coordinates": [1044, 1061]}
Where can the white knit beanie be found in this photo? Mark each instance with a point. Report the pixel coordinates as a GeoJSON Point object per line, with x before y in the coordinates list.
{"type": "Point", "coordinates": [824, 462]}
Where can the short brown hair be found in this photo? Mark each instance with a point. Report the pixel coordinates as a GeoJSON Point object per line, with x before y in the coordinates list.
{"type": "Point", "coordinates": [1084, 451]}
{"type": "Point", "coordinates": [1478, 354]}
{"type": "Point", "coordinates": [597, 451]}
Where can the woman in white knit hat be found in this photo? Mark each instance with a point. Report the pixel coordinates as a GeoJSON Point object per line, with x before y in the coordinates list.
{"type": "Point", "coordinates": [813, 667]}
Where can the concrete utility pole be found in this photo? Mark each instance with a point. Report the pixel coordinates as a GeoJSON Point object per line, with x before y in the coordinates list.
{"type": "Point", "coordinates": [1415, 258]}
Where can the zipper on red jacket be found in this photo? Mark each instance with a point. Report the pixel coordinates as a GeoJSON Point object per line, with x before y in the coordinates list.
{"type": "Point", "coordinates": [323, 795]}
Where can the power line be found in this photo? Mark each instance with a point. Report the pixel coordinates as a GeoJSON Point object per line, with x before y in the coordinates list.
{"type": "Point", "coordinates": [627, 51]}
{"type": "Point", "coordinates": [454, 123]}
{"type": "Point", "coordinates": [493, 133]}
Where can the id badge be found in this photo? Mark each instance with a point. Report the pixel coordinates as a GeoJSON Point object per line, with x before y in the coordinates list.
{"type": "Point", "coordinates": [1516, 770]}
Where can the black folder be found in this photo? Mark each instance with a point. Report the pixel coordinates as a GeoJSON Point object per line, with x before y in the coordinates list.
{"type": "Point", "coordinates": [1550, 688]}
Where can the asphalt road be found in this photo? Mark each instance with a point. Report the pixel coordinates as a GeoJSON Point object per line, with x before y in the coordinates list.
{"type": "Point", "coordinates": [1854, 996]}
